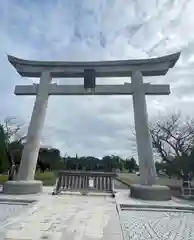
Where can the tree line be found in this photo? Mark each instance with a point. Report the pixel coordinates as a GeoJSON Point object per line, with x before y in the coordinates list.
{"type": "Point", "coordinates": [172, 140]}
{"type": "Point", "coordinates": [12, 144]}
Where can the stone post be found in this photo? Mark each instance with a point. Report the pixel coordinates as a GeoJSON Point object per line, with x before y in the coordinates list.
{"type": "Point", "coordinates": [143, 138]}
{"type": "Point", "coordinates": [25, 183]}
{"type": "Point", "coordinates": [32, 145]}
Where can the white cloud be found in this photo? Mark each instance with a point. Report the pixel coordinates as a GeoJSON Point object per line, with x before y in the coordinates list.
{"type": "Point", "coordinates": [96, 30]}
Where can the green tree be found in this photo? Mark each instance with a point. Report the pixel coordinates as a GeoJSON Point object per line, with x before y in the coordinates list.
{"type": "Point", "coordinates": [4, 160]}
{"type": "Point", "coordinates": [131, 165]}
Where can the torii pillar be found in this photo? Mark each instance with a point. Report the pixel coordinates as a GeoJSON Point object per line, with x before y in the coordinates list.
{"type": "Point", "coordinates": [143, 137]}
{"type": "Point", "coordinates": [32, 146]}
{"type": "Point", "coordinates": [136, 69]}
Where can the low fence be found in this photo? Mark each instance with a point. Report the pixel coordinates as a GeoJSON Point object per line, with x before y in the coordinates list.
{"type": "Point", "coordinates": [187, 189]}
{"type": "Point", "coordinates": [84, 182]}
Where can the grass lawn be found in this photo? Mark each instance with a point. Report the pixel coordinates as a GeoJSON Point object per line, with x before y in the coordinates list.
{"type": "Point", "coordinates": [133, 178]}
{"type": "Point", "coordinates": [48, 178]}
{"type": "Point", "coordinates": [174, 184]}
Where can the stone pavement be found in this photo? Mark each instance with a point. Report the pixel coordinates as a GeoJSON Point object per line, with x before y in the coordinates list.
{"type": "Point", "coordinates": [157, 225]}
{"type": "Point", "coordinates": [123, 197]}
{"type": "Point", "coordinates": [77, 217]}
{"type": "Point", "coordinates": [71, 217]}
{"type": "Point", "coordinates": [143, 220]}
{"type": "Point", "coordinates": [7, 210]}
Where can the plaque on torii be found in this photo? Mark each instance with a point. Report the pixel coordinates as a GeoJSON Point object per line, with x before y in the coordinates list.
{"type": "Point", "coordinates": [89, 71]}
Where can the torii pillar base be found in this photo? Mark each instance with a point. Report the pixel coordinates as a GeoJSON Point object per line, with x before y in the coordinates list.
{"type": "Point", "coordinates": [150, 192]}
{"type": "Point", "coordinates": [22, 187]}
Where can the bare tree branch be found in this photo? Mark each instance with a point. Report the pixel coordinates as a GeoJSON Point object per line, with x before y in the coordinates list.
{"type": "Point", "coordinates": [13, 129]}
{"type": "Point", "coordinates": [172, 137]}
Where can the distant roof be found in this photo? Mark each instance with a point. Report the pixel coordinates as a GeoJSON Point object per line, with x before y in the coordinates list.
{"type": "Point", "coordinates": [119, 68]}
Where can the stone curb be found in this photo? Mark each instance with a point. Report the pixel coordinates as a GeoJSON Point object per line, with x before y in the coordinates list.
{"type": "Point", "coordinates": [92, 194]}
{"type": "Point", "coordinates": [9, 200]}
{"type": "Point", "coordinates": [118, 209]}
{"type": "Point", "coordinates": [154, 206]}
{"type": "Point", "coordinates": [127, 184]}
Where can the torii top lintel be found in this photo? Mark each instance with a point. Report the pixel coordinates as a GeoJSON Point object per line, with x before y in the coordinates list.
{"type": "Point", "coordinates": [122, 68]}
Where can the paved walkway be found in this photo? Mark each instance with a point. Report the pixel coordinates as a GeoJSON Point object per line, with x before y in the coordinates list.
{"type": "Point", "coordinates": [77, 217]}
{"type": "Point", "coordinates": [68, 217]}
{"type": "Point", "coordinates": [123, 197]}
{"type": "Point", "coordinates": [155, 219]}
{"type": "Point", "coordinates": [120, 185]}
{"type": "Point", "coordinates": [157, 225]}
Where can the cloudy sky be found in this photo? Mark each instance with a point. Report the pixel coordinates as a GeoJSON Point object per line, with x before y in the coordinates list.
{"type": "Point", "coordinates": [96, 30]}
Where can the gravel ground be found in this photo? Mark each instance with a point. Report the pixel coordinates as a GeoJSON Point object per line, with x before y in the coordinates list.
{"type": "Point", "coordinates": [157, 225]}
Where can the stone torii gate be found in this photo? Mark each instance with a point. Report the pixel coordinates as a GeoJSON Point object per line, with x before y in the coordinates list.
{"type": "Point", "coordinates": [46, 70]}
